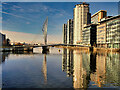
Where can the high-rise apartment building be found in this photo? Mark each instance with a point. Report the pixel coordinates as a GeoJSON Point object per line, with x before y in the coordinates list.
{"type": "Point", "coordinates": [70, 31]}
{"type": "Point", "coordinates": [81, 17]}
{"type": "Point", "coordinates": [65, 33]}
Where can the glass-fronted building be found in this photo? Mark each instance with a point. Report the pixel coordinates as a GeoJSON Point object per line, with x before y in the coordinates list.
{"type": "Point", "coordinates": [113, 32]}
{"type": "Point", "coordinates": [89, 35]}
{"type": "Point", "coordinates": [101, 35]}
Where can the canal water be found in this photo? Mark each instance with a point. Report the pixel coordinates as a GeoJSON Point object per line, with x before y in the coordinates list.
{"type": "Point", "coordinates": [60, 68]}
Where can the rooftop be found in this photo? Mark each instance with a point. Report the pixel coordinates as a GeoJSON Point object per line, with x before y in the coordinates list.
{"type": "Point", "coordinates": [114, 17]}
{"type": "Point", "coordinates": [98, 12]}
{"type": "Point", "coordinates": [82, 3]}
{"type": "Point", "coordinates": [90, 25]}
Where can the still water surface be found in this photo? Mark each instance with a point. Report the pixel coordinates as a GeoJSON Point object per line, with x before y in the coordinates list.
{"type": "Point", "coordinates": [61, 68]}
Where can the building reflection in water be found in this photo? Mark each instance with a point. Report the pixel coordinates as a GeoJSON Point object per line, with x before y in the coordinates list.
{"type": "Point", "coordinates": [64, 60]}
{"type": "Point", "coordinates": [100, 68]}
{"type": "Point", "coordinates": [3, 56]}
{"type": "Point", "coordinates": [44, 69]}
{"type": "Point", "coordinates": [81, 69]}
{"type": "Point", "coordinates": [67, 62]}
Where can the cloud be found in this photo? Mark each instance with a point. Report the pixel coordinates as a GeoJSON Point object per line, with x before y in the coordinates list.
{"type": "Point", "coordinates": [27, 22]}
{"type": "Point", "coordinates": [16, 6]}
{"type": "Point", "coordinates": [16, 15]}
{"type": "Point", "coordinates": [30, 38]}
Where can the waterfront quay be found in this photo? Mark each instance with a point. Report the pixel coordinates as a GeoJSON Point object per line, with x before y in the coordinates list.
{"type": "Point", "coordinates": [16, 48]}
{"type": "Point", "coordinates": [79, 47]}
{"type": "Point", "coordinates": [91, 49]}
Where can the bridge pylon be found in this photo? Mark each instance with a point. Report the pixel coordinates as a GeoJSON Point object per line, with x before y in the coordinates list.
{"type": "Point", "coordinates": [45, 48]}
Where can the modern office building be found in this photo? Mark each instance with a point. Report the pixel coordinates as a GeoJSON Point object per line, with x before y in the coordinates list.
{"type": "Point", "coordinates": [89, 35]}
{"type": "Point", "coordinates": [101, 35]}
{"type": "Point", "coordinates": [95, 18]}
{"type": "Point", "coordinates": [70, 31]}
{"type": "Point", "coordinates": [64, 33]}
{"type": "Point", "coordinates": [113, 32]}
{"type": "Point", "coordinates": [81, 17]}
{"type": "Point", "coordinates": [108, 33]}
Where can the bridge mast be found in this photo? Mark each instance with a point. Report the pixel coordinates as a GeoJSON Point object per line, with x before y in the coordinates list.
{"type": "Point", "coordinates": [44, 29]}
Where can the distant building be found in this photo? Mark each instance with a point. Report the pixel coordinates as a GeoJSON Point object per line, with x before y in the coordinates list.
{"type": "Point", "coordinates": [89, 34]}
{"type": "Point", "coordinates": [81, 17]}
{"type": "Point", "coordinates": [70, 31]}
{"type": "Point", "coordinates": [7, 41]}
{"type": "Point", "coordinates": [2, 39]}
{"type": "Point", "coordinates": [64, 33]}
{"type": "Point", "coordinates": [98, 16]}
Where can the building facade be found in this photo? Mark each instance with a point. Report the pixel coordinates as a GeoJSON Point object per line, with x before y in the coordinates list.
{"type": "Point", "coordinates": [101, 35]}
{"type": "Point", "coordinates": [89, 35]}
{"type": "Point", "coordinates": [81, 17]}
{"type": "Point", "coordinates": [95, 18]}
{"type": "Point", "coordinates": [64, 33]}
{"type": "Point", "coordinates": [70, 31]}
{"type": "Point", "coordinates": [113, 32]}
{"type": "Point", "coordinates": [108, 33]}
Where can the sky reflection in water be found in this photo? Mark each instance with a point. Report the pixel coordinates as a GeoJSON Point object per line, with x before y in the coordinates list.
{"type": "Point", "coordinates": [61, 68]}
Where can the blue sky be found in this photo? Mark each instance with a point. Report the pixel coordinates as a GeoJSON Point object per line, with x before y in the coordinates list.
{"type": "Point", "coordinates": [28, 17]}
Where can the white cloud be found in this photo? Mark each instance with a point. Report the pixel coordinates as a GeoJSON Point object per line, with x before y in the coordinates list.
{"type": "Point", "coordinates": [27, 22]}
{"type": "Point", "coordinates": [16, 6]}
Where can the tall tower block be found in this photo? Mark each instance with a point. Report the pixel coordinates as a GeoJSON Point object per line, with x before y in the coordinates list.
{"type": "Point", "coordinates": [81, 17]}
